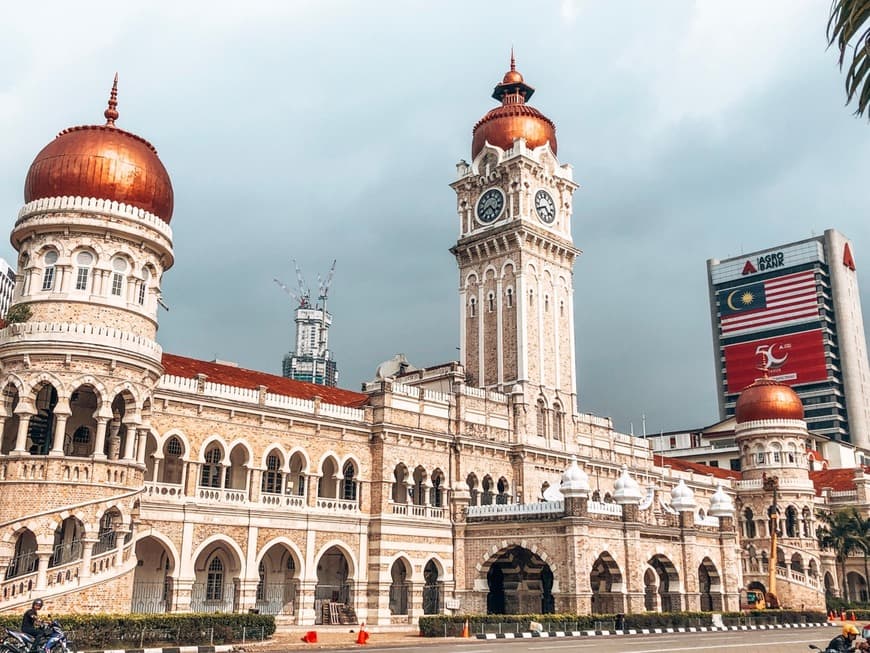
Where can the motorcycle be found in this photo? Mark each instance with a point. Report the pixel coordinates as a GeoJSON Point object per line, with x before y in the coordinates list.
{"type": "Point", "coordinates": [813, 647]}
{"type": "Point", "coordinates": [54, 641]}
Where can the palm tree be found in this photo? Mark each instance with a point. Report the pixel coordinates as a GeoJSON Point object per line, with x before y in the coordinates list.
{"type": "Point", "coordinates": [862, 531]}
{"type": "Point", "coordinates": [838, 532]}
{"type": "Point", "coordinates": [846, 21]}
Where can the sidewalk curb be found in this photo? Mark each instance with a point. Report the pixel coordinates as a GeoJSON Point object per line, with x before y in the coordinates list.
{"type": "Point", "coordinates": [223, 648]}
{"type": "Point", "coordinates": [644, 631]}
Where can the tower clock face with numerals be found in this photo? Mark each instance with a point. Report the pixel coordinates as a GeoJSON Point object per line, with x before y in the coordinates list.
{"type": "Point", "coordinates": [545, 207]}
{"type": "Point", "coordinates": [490, 205]}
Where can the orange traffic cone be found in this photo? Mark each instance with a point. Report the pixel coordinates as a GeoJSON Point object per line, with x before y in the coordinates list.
{"type": "Point", "coordinates": [362, 637]}
{"type": "Point", "coordinates": [310, 637]}
{"type": "Point", "coordinates": [830, 615]}
{"type": "Point", "coordinates": [465, 632]}
{"type": "Point", "coordinates": [853, 616]}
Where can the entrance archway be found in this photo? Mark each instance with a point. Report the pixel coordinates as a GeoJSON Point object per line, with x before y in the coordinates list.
{"type": "Point", "coordinates": [520, 582]}
{"type": "Point", "coordinates": [152, 579]}
{"type": "Point", "coordinates": [278, 573]}
{"type": "Point", "coordinates": [709, 586]}
{"type": "Point", "coordinates": [431, 588]}
{"type": "Point", "coordinates": [605, 580]}
{"type": "Point", "coordinates": [666, 584]}
{"type": "Point", "coordinates": [333, 594]}
{"type": "Point", "coordinates": [400, 588]}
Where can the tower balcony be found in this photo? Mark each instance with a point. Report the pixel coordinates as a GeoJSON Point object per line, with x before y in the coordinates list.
{"type": "Point", "coordinates": [33, 336]}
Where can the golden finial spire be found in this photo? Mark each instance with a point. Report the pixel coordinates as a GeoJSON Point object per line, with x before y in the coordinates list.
{"type": "Point", "coordinates": [111, 113]}
{"type": "Point", "coordinates": [513, 61]}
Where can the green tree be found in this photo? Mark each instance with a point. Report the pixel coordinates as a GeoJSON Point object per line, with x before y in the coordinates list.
{"type": "Point", "coordinates": [846, 30]}
{"type": "Point", "coordinates": [839, 533]}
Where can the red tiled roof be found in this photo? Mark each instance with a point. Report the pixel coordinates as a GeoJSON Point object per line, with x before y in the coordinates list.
{"type": "Point", "coordinates": [686, 466]}
{"type": "Point", "coordinates": [239, 377]}
{"type": "Point", "coordinates": [839, 479]}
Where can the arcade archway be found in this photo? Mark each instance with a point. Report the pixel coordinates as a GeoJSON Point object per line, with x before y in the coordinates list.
{"type": "Point", "coordinates": [519, 582]}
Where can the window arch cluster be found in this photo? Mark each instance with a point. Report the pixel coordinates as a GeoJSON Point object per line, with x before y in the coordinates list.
{"type": "Point", "coordinates": [419, 486]}
{"type": "Point", "coordinates": [549, 422]}
{"type": "Point", "coordinates": [486, 491]}
{"type": "Point", "coordinates": [114, 276]}
{"type": "Point", "coordinates": [773, 453]}
{"type": "Point", "coordinates": [794, 521]}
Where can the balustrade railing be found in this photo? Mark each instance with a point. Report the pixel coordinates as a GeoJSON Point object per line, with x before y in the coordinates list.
{"type": "Point", "coordinates": [284, 500]}
{"type": "Point", "coordinates": [221, 495]}
{"type": "Point", "coordinates": [22, 564]}
{"type": "Point", "coordinates": [337, 505]}
{"type": "Point", "coordinates": [423, 512]}
{"type": "Point", "coordinates": [164, 490]}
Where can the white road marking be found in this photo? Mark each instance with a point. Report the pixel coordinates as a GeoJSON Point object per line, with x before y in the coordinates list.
{"type": "Point", "coordinates": [721, 646]}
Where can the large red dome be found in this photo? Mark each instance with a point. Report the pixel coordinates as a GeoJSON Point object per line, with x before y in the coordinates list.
{"type": "Point", "coordinates": [767, 399]}
{"type": "Point", "coordinates": [514, 118]}
{"type": "Point", "coordinates": [103, 162]}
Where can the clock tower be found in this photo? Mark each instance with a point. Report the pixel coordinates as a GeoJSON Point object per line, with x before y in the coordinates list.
{"type": "Point", "coordinates": [516, 258]}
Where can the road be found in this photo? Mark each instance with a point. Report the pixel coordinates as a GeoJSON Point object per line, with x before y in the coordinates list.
{"type": "Point", "coordinates": [762, 641]}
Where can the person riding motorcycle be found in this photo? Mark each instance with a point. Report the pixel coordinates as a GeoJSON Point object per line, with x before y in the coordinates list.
{"type": "Point", "coordinates": [32, 625]}
{"type": "Point", "coordinates": [845, 642]}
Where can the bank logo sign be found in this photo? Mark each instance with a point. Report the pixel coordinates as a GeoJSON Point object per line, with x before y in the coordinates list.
{"type": "Point", "coordinates": [772, 259]}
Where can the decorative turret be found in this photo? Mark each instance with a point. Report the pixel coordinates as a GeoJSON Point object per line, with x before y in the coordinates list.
{"type": "Point", "coordinates": [721, 504]}
{"type": "Point", "coordinates": [683, 498]}
{"type": "Point", "coordinates": [626, 491]}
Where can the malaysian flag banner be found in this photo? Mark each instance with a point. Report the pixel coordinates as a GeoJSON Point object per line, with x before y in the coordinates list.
{"type": "Point", "coordinates": [777, 302]}
{"type": "Point", "coordinates": [794, 359]}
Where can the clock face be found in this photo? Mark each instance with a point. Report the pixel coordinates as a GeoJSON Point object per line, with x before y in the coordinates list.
{"type": "Point", "coordinates": [490, 205]}
{"type": "Point", "coordinates": [545, 207]}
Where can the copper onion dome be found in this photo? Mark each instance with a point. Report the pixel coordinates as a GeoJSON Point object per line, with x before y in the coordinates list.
{"type": "Point", "coordinates": [103, 162]}
{"type": "Point", "coordinates": [768, 399]}
{"type": "Point", "coordinates": [514, 118]}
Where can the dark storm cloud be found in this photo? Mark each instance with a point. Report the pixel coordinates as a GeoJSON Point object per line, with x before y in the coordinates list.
{"type": "Point", "coordinates": [322, 131]}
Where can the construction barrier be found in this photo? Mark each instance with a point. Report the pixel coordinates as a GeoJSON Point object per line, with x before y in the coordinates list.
{"type": "Point", "coordinates": [310, 637]}
{"type": "Point", "coordinates": [362, 637]}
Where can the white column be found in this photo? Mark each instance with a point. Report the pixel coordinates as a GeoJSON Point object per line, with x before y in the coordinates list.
{"type": "Point", "coordinates": [59, 432]}
{"type": "Point", "coordinates": [481, 367]}
{"type": "Point", "coordinates": [463, 326]}
{"type": "Point", "coordinates": [541, 380]}
{"type": "Point", "coordinates": [141, 445]}
{"type": "Point", "coordinates": [522, 329]}
{"type": "Point", "coordinates": [557, 371]}
{"type": "Point", "coordinates": [24, 414]}
{"type": "Point", "coordinates": [499, 307]}
{"type": "Point", "coordinates": [129, 439]}
{"type": "Point", "coordinates": [571, 349]}
{"type": "Point", "coordinates": [100, 442]}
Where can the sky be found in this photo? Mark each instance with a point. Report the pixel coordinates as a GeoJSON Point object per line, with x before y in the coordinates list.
{"type": "Point", "coordinates": [330, 130]}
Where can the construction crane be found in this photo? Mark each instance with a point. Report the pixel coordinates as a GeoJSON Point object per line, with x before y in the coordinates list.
{"type": "Point", "coordinates": [301, 295]}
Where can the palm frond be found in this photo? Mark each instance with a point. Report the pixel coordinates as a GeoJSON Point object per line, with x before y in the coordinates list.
{"type": "Point", "coordinates": [845, 24]}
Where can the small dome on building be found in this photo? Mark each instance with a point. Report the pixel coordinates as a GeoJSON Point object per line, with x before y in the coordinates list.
{"type": "Point", "coordinates": [626, 490]}
{"type": "Point", "coordinates": [103, 162]}
{"type": "Point", "coordinates": [721, 504]}
{"type": "Point", "coordinates": [767, 399]}
{"type": "Point", "coordinates": [514, 118]}
{"type": "Point", "coordinates": [575, 482]}
{"type": "Point", "coordinates": [682, 497]}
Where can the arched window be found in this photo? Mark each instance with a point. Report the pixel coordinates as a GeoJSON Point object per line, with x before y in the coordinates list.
{"type": "Point", "coordinates": [106, 536]}
{"type": "Point", "coordinates": [562, 308]}
{"type": "Point", "coordinates": [490, 300]}
{"type": "Point", "coordinates": [214, 584]}
{"type": "Point", "coordinates": [749, 523]}
{"type": "Point", "coordinates": [436, 493]}
{"type": "Point", "coordinates": [211, 469]}
{"type": "Point", "coordinates": [531, 296]}
{"type": "Point", "coordinates": [541, 418]}
{"type": "Point", "coordinates": [119, 268]}
{"type": "Point", "coordinates": [348, 483]}
{"type": "Point", "coordinates": [273, 479]}
{"type": "Point", "coordinates": [509, 297]}
{"type": "Point", "coordinates": [48, 274]}
{"type": "Point", "coordinates": [791, 522]}
{"type": "Point", "coordinates": [84, 261]}
{"type": "Point", "coordinates": [261, 583]}
{"type": "Point", "coordinates": [173, 465]}
{"type": "Point", "coordinates": [546, 303]}
{"type": "Point", "coordinates": [558, 420]}
{"type": "Point", "coordinates": [146, 277]}
{"type": "Point", "coordinates": [486, 495]}
{"type": "Point", "coordinates": [472, 307]}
